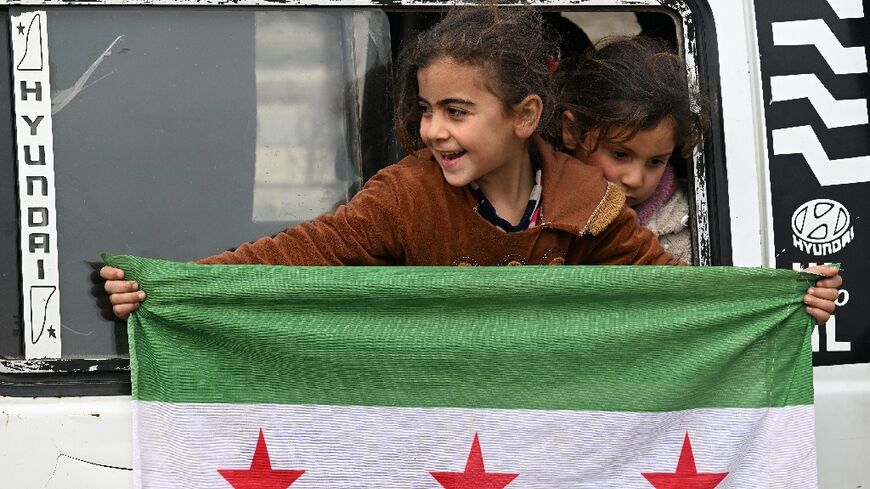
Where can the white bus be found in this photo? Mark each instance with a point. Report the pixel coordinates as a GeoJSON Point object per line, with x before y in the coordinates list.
{"type": "Point", "coordinates": [174, 129]}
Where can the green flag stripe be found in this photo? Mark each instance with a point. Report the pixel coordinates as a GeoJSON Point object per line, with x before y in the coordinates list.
{"type": "Point", "coordinates": [577, 338]}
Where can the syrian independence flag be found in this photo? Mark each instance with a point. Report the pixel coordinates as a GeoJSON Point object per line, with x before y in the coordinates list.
{"type": "Point", "coordinates": [486, 378]}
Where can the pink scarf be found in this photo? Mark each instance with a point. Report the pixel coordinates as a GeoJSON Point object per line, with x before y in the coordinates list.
{"type": "Point", "coordinates": [665, 189]}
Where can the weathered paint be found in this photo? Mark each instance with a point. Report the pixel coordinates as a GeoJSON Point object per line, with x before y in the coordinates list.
{"type": "Point", "coordinates": [66, 443]}
{"type": "Point", "coordinates": [15, 366]}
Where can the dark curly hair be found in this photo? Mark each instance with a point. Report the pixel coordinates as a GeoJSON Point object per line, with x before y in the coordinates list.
{"type": "Point", "coordinates": [511, 44]}
{"type": "Point", "coordinates": [628, 85]}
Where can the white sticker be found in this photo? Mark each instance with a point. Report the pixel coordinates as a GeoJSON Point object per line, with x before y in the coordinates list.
{"type": "Point", "coordinates": [821, 227]}
{"type": "Point", "coordinates": [36, 193]}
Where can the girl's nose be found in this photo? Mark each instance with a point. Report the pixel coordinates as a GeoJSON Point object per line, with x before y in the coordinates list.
{"type": "Point", "coordinates": [435, 128]}
{"type": "Point", "coordinates": [632, 177]}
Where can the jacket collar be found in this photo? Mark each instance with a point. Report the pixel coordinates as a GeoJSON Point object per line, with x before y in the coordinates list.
{"type": "Point", "coordinates": [576, 197]}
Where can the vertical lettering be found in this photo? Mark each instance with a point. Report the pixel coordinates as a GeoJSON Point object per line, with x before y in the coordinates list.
{"type": "Point", "coordinates": [43, 185]}
{"type": "Point", "coordinates": [842, 298]}
{"type": "Point", "coordinates": [36, 90]}
{"type": "Point", "coordinates": [39, 241]}
{"type": "Point", "coordinates": [34, 159]}
{"type": "Point", "coordinates": [33, 123]}
{"type": "Point", "coordinates": [37, 216]}
{"type": "Point", "coordinates": [28, 158]}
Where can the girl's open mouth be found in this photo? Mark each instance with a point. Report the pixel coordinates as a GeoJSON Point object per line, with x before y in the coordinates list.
{"type": "Point", "coordinates": [449, 159]}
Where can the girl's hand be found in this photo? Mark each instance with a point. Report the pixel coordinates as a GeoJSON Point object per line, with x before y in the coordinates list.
{"type": "Point", "coordinates": [820, 298]}
{"type": "Point", "coordinates": [124, 295]}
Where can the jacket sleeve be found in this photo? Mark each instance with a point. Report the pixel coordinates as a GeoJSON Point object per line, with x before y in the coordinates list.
{"type": "Point", "coordinates": [624, 242]}
{"type": "Point", "coordinates": [366, 231]}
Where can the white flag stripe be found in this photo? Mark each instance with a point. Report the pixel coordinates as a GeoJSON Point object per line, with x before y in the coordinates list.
{"type": "Point", "coordinates": [817, 33]}
{"type": "Point", "coordinates": [834, 113]}
{"type": "Point", "coordinates": [183, 445]}
{"type": "Point", "coordinates": [803, 140]}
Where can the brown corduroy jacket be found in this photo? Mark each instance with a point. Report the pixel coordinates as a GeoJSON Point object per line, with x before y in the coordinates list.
{"type": "Point", "coordinates": [408, 214]}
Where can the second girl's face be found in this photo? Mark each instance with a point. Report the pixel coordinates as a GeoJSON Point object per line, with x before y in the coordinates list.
{"type": "Point", "coordinates": [465, 125]}
{"type": "Point", "coordinates": [635, 165]}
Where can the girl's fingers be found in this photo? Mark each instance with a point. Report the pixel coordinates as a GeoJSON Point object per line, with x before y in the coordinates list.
{"type": "Point", "coordinates": [823, 270]}
{"type": "Point", "coordinates": [111, 273]}
{"type": "Point", "coordinates": [833, 282]}
{"type": "Point", "coordinates": [819, 315]}
{"type": "Point", "coordinates": [124, 310]}
{"type": "Point", "coordinates": [124, 295]}
{"type": "Point", "coordinates": [820, 298]}
{"type": "Point", "coordinates": [120, 286]}
{"type": "Point", "coordinates": [824, 293]}
{"type": "Point", "coordinates": [819, 303]}
{"type": "Point", "coordinates": [834, 279]}
{"type": "Point", "coordinates": [128, 298]}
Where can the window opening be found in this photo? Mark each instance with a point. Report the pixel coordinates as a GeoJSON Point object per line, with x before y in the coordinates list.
{"type": "Point", "coordinates": [192, 114]}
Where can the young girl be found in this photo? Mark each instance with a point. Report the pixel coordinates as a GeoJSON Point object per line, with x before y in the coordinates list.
{"type": "Point", "coordinates": [626, 109]}
{"type": "Point", "coordinates": [479, 187]}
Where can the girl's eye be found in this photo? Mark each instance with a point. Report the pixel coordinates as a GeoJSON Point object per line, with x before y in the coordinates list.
{"type": "Point", "coordinates": [657, 162]}
{"type": "Point", "coordinates": [620, 155]}
{"type": "Point", "coordinates": [424, 109]}
{"type": "Point", "coordinates": [454, 112]}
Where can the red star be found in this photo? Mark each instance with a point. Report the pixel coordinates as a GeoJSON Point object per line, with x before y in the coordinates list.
{"type": "Point", "coordinates": [475, 476]}
{"type": "Point", "coordinates": [686, 476]}
{"type": "Point", "coordinates": [260, 475]}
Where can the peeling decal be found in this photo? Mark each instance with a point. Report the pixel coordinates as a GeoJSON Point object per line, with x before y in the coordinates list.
{"type": "Point", "coordinates": [36, 191]}
{"type": "Point", "coordinates": [61, 98]}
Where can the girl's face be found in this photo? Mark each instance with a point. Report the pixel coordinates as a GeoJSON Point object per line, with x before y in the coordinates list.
{"type": "Point", "coordinates": [635, 165]}
{"type": "Point", "coordinates": [465, 125]}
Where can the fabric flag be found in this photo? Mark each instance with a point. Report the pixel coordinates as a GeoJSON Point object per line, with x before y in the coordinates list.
{"type": "Point", "coordinates": [477, 377]}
